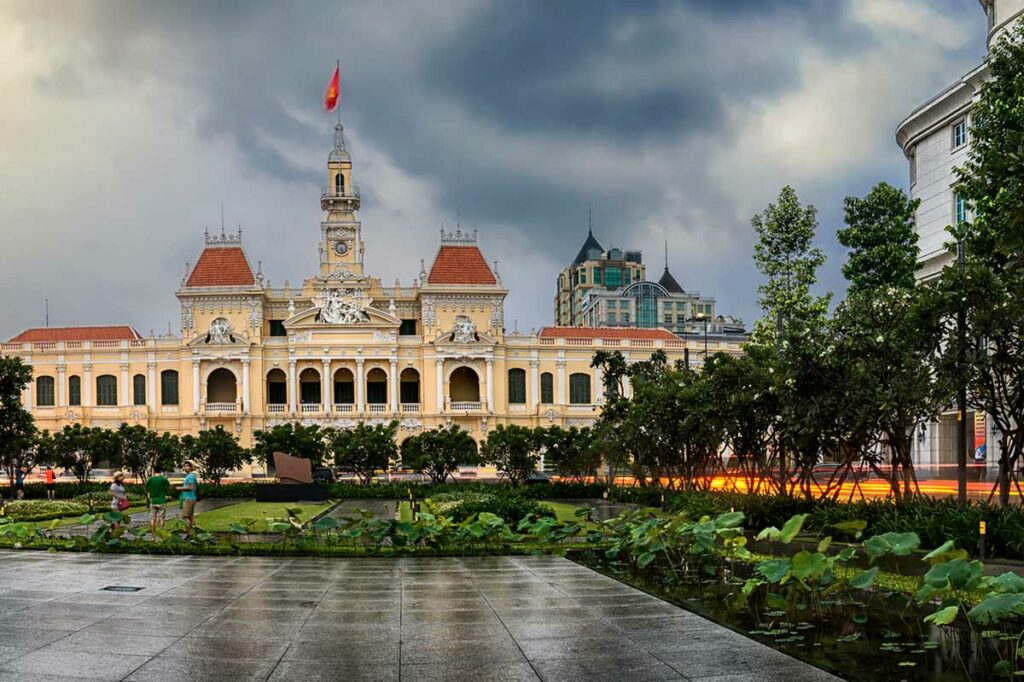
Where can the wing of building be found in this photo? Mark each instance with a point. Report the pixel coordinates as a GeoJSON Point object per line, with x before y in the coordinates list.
{"type": "Point", "coordinates": [340, 349]}
{"type": "Point", "coordinates": [935, 138]}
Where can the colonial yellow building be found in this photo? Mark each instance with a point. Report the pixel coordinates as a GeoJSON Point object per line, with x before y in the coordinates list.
{"type": "Point", "coordinates": [342, 348]}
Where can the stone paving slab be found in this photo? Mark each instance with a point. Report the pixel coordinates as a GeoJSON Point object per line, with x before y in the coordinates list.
{"type": "Point", "coordinates": [480, 618]}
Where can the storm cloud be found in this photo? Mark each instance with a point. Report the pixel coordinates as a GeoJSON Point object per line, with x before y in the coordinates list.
{"type": "Point", "coordinates": [124, 127]}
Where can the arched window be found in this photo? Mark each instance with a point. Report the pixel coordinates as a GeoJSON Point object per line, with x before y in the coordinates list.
{"type": "Point", "coordinates": [106, 390]}
{"type": "Point", "coordinates": [74, 390]}
{"type": "Point", "coordinates": [464, 385]}
{"type": "Point", "coordinates": [139, 389]}
{"type": "Point", "coordinates": [517, 386]}
{"type": "Point", "coordinates": [579, 389]}
{"type": "Point", "coordinates": [309, 386]}
{"type": "Point", "coordinates": [169, 387]}
{"type": "Point", "coordinates": [339, 183]}
{"type": "Point", "coordinates": [344, 387]}
{"type": "Point", "coordinates": [44, 392]}
{"type": "Point", "coordinates": [277, 387]}
{"type": "Point", "coordinates": [409, 386]}
{"type": "Point", "coordinates": [547, 388]}
{"type": "Point", "coordinates": [221, 386]}
{"type": "Point", "coordinates": [376, 387]}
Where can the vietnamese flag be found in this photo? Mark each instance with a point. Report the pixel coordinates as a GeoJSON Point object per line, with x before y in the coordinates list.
{"type": "Point", "coordinates": [331, 94]}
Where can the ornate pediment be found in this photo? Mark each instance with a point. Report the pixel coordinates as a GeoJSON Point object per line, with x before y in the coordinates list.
{"type": "Point", "coordinates": [463, 332]}
{"type": "Point", "coordinates": [220, 334]}
{"type": "Point", "coordinates": [368, 319]}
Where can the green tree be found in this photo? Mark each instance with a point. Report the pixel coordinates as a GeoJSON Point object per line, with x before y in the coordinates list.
{"type": "Point", "coordinates": [571, 452]}
{"type": "Point", "coordinates": [991, 284]}
{"type": "Point", "coordinates": [439, 452]}
{"type": "Point", "coordinates": [512, 449]}
{"type": "Point", "coordinates": [17, 428]}
{"type": "Point", "coordinates": [215, 452]}
{"type": "Point", "coordinates": [789, 263]}
{"type": "Point", "coordinates": [613, 368]}
{"type": "Point", "coordinates": [881, 238]}
{"type": "Point", "coordinates": [292, 439]}
{"type": "Point", "coordinates": [75, 450]}
{"type": "Point", "coordinates": [364, 448]}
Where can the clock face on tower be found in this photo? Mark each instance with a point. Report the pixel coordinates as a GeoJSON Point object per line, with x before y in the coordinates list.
{"type": "Point", "coordinates": [341, 248]}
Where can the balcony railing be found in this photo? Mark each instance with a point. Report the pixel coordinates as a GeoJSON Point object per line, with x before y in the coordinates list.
{"type": "Point", "coordinates": [466, 405]}
{"type": "Point", "coordinates": [336, 192]}
{"type": "Point", "coordinates": [410, 407]}
{"type": "Point", "coordinates": [277, 409]}
{"type": "Point", "coordinates": [377, 407]}
{"type": "Point", "coordinates": [220, 408]}
{"type": "Point", "coordinates": [515, 407]}
{"type": "Point", "coordinates": [309, 408]}
{"type": "Point", "coordinates": [344, 407]}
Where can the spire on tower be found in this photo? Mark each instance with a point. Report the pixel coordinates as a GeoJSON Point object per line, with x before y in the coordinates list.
{"type": "Point", "coordinates": [340, 152]}
{"type": "Point", "coordinates": [590, 219]}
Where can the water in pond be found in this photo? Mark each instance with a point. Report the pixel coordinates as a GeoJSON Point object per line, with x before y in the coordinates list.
{"type": "Point", "coordinates": [882, 639]}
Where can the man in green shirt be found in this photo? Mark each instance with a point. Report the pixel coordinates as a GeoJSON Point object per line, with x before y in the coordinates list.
{"type": "Point", "coordinates": [158, 489]}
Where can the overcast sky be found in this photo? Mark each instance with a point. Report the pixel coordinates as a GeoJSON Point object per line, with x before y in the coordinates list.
{"type": "Point", "coordinates": [124, 126]}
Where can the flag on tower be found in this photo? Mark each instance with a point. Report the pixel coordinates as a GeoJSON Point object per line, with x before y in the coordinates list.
{"type": "Point", "coordinates": [331, 94]}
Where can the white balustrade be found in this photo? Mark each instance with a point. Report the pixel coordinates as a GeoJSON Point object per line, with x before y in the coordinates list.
{"type": "Point", "coordinates": [220, 408]}
{"type": "Point", "coordinates": [344, 407]}
{"type": "Point", "coordinates": [310, 408]}
{"type": "Point", "coordinates": [410, 407]}
{"type": "Point", "coordinates": [377, 407]}
{"type": "Point", "coordinates": [466, 405]}
{"type": "Point", "coordinates": [277, 409]}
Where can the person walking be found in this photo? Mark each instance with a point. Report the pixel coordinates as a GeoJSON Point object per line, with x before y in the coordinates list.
{"type": "Point", "coordinates": [118, 496]}
{"type": "Point", "coordinates": [158, 489]}
{"type": "Point", "coordinates": [19, 482]}
{"type": "Point", "coordinates": [189, 488]}
{"type": "Point", "coordinates": [50, 476]}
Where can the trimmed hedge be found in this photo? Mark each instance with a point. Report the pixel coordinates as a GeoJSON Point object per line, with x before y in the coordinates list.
{"type": "Point", "coordinates": [508, 504]}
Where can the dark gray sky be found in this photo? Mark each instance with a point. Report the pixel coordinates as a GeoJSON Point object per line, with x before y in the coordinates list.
{"type": "Point", "coordinates": [125, 125]}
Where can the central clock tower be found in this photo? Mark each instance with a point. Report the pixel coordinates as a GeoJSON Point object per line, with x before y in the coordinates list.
{"type": "Point", "coordinates": [341, 245]}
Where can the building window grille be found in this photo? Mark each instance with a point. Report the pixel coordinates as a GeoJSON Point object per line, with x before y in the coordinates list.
{"type": "Point", "coordinates": [169, 387]}
{"type": "Point", "coordinates": [106, 390]}
{"type": "Point", "coordinates": [579, 389]}
{"type": "Point", "coordinates": [44, 392]}
{"type": "Point", "coordinates": [139, 389]}
{"type": "Point", "coordinates": [960, 133]}
{"type": "Point", "coordinates": [547, 388]}
{"type": "Point", "coordinates": [517, 386]}
{"type": "Point", "coordinates": [74, 390]}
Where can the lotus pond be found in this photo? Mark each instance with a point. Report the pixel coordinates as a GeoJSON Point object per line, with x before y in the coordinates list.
{"type": "Point", "coordinates": [832, 607]}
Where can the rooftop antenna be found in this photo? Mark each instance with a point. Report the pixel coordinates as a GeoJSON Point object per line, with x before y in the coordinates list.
{"type": "Point", "coordinates": [590, 219]}
{"type": "Point", "coordinates": [666, 254]}
{"type": "Point", "coordinates": [47, 304]}
{"type": "Point", "coordinates": [458, 219]}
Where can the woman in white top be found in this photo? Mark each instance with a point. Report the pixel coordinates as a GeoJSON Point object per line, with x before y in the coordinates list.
{"type": "Point", "coordinates": [117, 493]}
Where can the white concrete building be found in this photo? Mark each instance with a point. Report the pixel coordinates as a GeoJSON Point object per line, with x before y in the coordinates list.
{"type": "Point", "coordinates": [935, 138]}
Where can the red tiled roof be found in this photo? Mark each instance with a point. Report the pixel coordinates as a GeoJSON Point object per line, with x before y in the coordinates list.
{"type": "Point", "coordinates": [460, 265]}
{"type": "Point", "coordinates": [606, 333]}
{"type": "Point", "coordinates": [47, 334]}
{"type": "Point", "coordinates": [221, 266]}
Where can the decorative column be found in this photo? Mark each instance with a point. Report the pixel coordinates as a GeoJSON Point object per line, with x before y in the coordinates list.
{"type": "Point", "coordinates": [126, 398]}
{"type": "Point", "coordinates": [598, 385]}
{"type": "Point", "coordinates": [87, 384]}
{"type": "Point", "coordinates": [360, 385]}
{"type": "Point", "coordinates": [195, 387]}
{"type": "Point", "coordinates": [439, 377]}
{"type": "Point", "coordinates": [490, 384]}
{"type": "Point", "coordinates": [327, 392]}
{"type": "Point", "coordinates": [245, 386]}
{"type": "Point", "coordinates": [393, 384]}
{"type": "Point", "coordinates": [562, 399]}
{"type": "Point", "coordinates": [26, 397]}
{"type": "Point", "coordinates": [534, 385]}
{"type": "Point", "coordinates": [292, 387]}
{"type": "Point", "coordinates": [151, 386]}
{"type": "Point", "coordinates": [62, 399]}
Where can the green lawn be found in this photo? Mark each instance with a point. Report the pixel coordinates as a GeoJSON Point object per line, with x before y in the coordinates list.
{"type": "Point", "coordinates": [220, 519]}
{"type": "Point", "coordinates": [566, 513]}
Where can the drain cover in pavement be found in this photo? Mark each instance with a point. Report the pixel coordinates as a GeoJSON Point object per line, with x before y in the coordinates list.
{"type": "Point", "coordinates": [122, 588]}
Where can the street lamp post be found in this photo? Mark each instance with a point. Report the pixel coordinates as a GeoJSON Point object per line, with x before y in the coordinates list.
{"type": "Point", "coordinates": [961, 407]}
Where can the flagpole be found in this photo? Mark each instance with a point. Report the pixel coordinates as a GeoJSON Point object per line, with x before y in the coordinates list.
{"type": "Point", "coordinates": [337, 69]}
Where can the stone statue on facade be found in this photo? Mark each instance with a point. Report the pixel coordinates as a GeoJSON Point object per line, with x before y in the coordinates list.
{"type": "Point", "coordinates": [464, 330]}
{"type": "Point", "coordinates": [336, 309]}
{"type": "Point", "coordinates": [219, 332]}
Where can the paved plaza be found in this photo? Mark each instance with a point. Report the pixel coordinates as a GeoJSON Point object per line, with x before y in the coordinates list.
{"type": "Point", "coordinates": [488, 618]}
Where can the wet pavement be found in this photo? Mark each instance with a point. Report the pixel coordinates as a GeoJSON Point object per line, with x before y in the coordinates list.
{"type": "Point", "coordinates": [481, 618]}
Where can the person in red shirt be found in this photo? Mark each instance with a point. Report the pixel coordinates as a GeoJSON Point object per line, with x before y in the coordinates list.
{"type": "Point", "coordinates": [50, 476]}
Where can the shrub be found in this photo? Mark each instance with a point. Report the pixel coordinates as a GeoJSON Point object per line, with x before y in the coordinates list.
{"type": "Point", "coordinates": [43, 510]}
{"type": "Point", "coordinates": [459, 506]}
